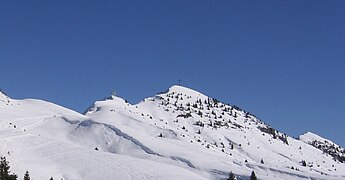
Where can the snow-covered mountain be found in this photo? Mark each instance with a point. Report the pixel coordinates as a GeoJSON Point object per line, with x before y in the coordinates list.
{"type": "Point", "coordinates": [177, 134]}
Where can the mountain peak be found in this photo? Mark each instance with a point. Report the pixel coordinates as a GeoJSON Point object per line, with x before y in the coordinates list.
{"type": "Point", "coordinates": [183, 90]}
{"type": "Point", "coordinates": [179, 88]}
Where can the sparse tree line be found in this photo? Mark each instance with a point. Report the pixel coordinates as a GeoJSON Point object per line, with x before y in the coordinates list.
{"type": "Point", "coordinates": [211, 105]}
{"type": "Point", "coordinates": [5, 173]}
{"type": "Point", "coordinates": [253, 176]}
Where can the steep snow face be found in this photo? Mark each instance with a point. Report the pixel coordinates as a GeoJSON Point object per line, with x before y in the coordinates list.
{"type": "Point", "coordinates": [191, 130]}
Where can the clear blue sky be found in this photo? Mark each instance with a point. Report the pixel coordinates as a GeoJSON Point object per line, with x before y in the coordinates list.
{"type": "Point", "coordinates": [281, 60]}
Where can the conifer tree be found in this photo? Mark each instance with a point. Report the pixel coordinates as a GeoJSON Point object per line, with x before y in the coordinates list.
{"type": "Point", "coordinates": [5, 170]}
{"type": "Point", "coordinates": [26, 175]}
{"type": "Point", "coordinates": [304, 163]}
{"type": "Point", "coordinates": [231, 176]}
{"type": "Point", "coordinates": [231, 146]}
{"type": "Point", "coordinates": [253, 176]}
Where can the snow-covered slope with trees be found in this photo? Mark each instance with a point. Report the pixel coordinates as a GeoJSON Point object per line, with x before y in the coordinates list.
{"type": "Point", "coordinates": [177, 134]}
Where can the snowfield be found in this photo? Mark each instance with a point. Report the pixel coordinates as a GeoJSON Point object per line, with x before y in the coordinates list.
{"type": "Point", "coordinates": [177, 134]}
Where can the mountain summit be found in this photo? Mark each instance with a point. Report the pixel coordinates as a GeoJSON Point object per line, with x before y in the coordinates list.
{"type": "Point", "coordinates": [180, 133]}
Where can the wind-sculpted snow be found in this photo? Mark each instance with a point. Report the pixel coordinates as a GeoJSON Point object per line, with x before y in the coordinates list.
{"type": "Point", "coordinates": [70, 121]}
{"type": "Point", "coordinates": [88, 123]}
{"type": "Point", "coordinates": [183, 160]}
{"type": "Point", "coordinates": [46, 157]}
